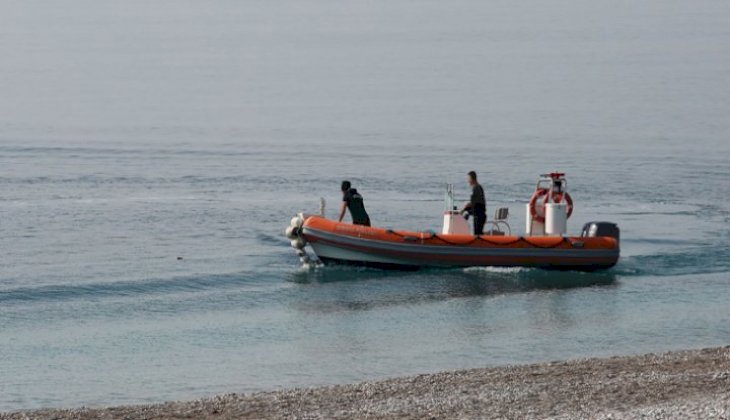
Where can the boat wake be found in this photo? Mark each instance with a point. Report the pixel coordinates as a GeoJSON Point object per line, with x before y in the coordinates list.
{"type": "Point", "coordinates": [700, 260]}
{"type": "Point", "coordinates": [500, 270]}
{"type": "Point", "coordinates": [137, 288]}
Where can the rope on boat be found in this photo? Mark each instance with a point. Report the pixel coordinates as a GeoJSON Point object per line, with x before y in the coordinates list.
{"type": "Point", "coordinates": [482, 238]}
{"type": "Point", "coordinates": [555, 245]}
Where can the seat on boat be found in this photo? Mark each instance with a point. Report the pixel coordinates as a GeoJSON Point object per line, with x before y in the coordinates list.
{"type": "Point", "coordinates": [500, 221]}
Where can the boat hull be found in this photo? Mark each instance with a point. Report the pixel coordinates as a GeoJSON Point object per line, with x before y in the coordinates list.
{"type": "Point", "coordinates": [342, 243]}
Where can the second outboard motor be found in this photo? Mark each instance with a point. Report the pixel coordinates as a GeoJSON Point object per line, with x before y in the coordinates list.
{"type": "Point", "coordinates": [597, 229]}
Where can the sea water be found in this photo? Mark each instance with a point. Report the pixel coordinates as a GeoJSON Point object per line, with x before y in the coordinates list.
{"type": "Point", "coordinates": [152, 153]}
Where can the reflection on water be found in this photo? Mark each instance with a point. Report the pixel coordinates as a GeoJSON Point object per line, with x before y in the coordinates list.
{"type": "Point", "coordinates": [371, 288]}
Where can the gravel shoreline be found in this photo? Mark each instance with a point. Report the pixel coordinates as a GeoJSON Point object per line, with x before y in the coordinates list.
{"type": "Point", "coordinates": [677, 385]}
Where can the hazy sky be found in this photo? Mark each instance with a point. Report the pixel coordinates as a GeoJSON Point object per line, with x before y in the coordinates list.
{"type": "Point", "coordinates": [620, 71]}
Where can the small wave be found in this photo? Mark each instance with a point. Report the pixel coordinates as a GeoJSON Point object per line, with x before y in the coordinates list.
{"type": "Point", "coordinates": [315, 272]}
{"type": "Point", "coordinates": [699, 260]}
{"type": "Point", "coordinates": [126, 288]}
{"type": "Point", "coordinates": [491, 279]}
{"type": "Point", "coordinates": [663, 241]}
{"type": "Point", "coordinates": [84, 179]}
{"type": "Point", "coordinates": [658, 213]}
{"type": "Point", "coordinates": [81, 151]}
{"type": "Point", "coordinates": [500, 270]}
{"type": "Point", "coordinates": [272, 239]}
{"type": "Point", "coordinates": [527, 278]}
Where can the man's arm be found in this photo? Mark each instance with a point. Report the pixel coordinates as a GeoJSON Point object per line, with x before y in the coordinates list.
{"type": "Point", "coordinates": [342, 211]}
{"type": "Point", "coordinates": [469, 204]}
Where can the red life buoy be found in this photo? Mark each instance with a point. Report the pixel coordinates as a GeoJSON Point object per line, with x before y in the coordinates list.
{"type": "Point", "coordinates": [540, 192]}
{"type": "Point", "coordinates": [556, 198]}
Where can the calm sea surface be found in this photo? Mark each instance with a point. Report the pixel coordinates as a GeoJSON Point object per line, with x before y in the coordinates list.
{"type": "Point", "coordinates": [133, 133]}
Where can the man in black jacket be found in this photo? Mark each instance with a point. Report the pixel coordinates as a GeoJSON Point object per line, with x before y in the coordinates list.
{"type": "Point", "coordinates": [477, 205]}
{"type": "Point", "coordinates": [353, 201]}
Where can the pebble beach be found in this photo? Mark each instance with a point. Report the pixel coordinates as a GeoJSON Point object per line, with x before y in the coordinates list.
{"type": "Point", "coordinates": [675, 385]}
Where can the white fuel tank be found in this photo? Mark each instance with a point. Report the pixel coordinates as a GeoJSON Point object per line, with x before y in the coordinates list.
{"type": "Point", "coordinates": [455, 223]}
{"type": "Point", "coordinates": [556, 219]}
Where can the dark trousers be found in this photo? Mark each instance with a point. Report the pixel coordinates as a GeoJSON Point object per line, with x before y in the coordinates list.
{"type": "Point", "coordinates": [480, 218]}
{"type": "Point", "coordinates": [365, 222]}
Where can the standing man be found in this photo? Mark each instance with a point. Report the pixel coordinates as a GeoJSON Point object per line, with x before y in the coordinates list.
{"type": "Point", "coordinates": [477, 204]}
{"type": "Point", "coordinates": [352, 200]}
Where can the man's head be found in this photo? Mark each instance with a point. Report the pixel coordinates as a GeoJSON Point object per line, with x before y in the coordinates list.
{"type": "Point", "coordinates": [471, 178]}
{"type": "Point", "coordinates": [346, 185]}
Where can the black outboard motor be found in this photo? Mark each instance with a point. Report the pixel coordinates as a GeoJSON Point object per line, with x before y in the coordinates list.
{"type": "Point", "coordinates": [596, 229]}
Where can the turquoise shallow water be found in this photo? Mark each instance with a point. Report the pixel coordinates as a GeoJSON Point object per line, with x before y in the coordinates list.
{"type": "Point", "coordinates": [197, 132]}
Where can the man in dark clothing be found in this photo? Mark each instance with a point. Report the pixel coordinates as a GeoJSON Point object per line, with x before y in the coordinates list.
{"type": "Point", "coordinates": [352, 200]}
{"type": "Point", "coordinates": [477, 205]}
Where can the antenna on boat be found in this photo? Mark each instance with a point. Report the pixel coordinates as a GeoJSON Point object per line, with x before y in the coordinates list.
{"type": "Point", "coordinates": [449, 202]}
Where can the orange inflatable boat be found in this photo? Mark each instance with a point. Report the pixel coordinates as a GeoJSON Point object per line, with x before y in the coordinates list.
{"type": "Point", "coordinates": [597, 247]}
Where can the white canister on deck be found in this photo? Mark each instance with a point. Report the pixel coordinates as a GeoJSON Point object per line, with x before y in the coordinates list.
{"type": "Point", "coordinates": [532, 226]}
{"type": "Point", "coordinates": [556, 219]}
